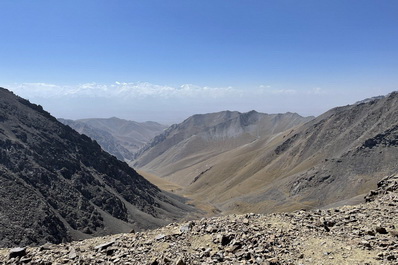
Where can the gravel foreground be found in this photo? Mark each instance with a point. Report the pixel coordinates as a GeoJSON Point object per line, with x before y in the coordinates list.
{"type": "Point", "coordinates": [361, 234]}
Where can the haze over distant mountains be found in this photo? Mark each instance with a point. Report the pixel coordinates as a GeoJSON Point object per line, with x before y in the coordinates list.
{"type": "Point", "coordinates": [121, 138]}
{"type": "Point", "coordinates": [58, 185]}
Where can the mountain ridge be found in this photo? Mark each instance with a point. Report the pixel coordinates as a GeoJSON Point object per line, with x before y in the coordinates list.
{"type": "Point", "coordinates": [202, 136]}
{"type": "Point", "coordinates": [119, 137]}
{"type": "Point", "coordinates": [333, 157]}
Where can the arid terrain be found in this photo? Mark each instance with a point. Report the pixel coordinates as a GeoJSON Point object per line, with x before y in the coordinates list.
{"type": "Point", "coordinates": [231, 188]}
{"type": "Point", "coordinates": [362, 234]}
{"type": "Point", "coordinates": [239, 163]}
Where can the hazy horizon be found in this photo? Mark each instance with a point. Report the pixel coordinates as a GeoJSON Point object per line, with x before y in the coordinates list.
{"type": "Point", "coordinates": [165, 61]}
{"type": "Point", "coordinates": [77, 104]}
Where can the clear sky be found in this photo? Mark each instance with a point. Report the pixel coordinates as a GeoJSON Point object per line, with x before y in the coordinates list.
{"type": "Point", "coordinates": [165, 60]}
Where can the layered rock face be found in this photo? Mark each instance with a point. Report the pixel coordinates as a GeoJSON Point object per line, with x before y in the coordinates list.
{"type": "Point", "coordinates": [361, 234]}
{"type": "Point", "coordinates": [58, 185]}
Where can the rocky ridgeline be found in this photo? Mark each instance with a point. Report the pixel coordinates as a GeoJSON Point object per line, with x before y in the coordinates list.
{"type": "Point", "coordinates": [361, 234]}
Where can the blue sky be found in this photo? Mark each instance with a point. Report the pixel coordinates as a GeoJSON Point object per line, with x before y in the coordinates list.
{"type": "Point", "coordinates": [166, 60]}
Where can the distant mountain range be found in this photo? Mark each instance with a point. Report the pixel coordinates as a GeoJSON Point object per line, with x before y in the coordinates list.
{"type": "Point", "coordinates": [58, 185]}
{"type": "Point", "coordinates": [121, 138]}
{"type": "Point", "coordinates": [253, 162]}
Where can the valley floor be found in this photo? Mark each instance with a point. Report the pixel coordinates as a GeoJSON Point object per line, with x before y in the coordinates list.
{"type": "Point", "coordinates": [207, 209]}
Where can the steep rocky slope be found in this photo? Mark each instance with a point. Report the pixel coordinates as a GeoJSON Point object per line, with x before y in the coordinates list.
{"type": "Point", "coordinates": [182, 152]}
{"type": "Point", "coordinates": [361, 234]}
{"type": "Point", "coordinates": [58, 185]}
{"type": "Point", "coordinates": [121, 138]}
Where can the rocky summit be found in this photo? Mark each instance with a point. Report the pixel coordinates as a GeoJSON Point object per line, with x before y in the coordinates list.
{"type": "Point", "coordinates": [361, 234]}
{"type": "Point", "coordinates": [58, 185]}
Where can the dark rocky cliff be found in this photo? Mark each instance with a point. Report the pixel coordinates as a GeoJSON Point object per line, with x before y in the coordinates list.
{"type": "Point", "coordinates": [58, 185]}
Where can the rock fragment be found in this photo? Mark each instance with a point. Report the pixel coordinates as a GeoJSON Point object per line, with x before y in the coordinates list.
{"type": "Point", "coordinates": [17, 252]}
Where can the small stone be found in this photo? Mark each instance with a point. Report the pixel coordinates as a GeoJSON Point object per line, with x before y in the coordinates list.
{"type": "Point", "coordinates": [72, 254]}
{"type": "Point", "coordinates": [226, 239]}
{"type": "Point", "coordinates": [46, 246]}
{"type": "Point", "coordinates": [185, 229]}
{"type": "Point", "coordinates": [17, 252]}
{"type": "Point", "coordinates": [273, 261]}
{"type": "Point", "coordinates": [366, 244]}
{"type": "Point", "coordinates": [104, 246]}
{"type": "Point", "coordinates": [394, 233]}
{"type": "Point", "coordinates": [154, 262]}
{"type": "Point", "coordinates": [180, 261]}
{"type": "Point", "coordinates": [25, 260]}
{"type": "Point", "coordinates": [210, 229]}
{"type": "Point", "coordinates": [110, 252]}
{"type": "Point", "coordinates": [160, 236]}
{"type": "Point", "coordinates": [381, 230]}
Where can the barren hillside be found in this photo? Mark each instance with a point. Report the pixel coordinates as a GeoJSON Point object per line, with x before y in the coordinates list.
{"type": "Point", "coordinates": [333, 158]}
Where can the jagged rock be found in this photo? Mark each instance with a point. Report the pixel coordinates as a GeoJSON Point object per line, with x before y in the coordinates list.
{"type": "Point", "coordinates": [226, 239]}
{"type": "Point", "coordinates": [186, 228]}
{"type": "Point", "coordinates": [17, 252]}
{"type": "Point", "coordinates": [381, 230]}
{"type": "Point", "coordinates": [104, 245]}
{"type": "Point", "coordinates": [72, 253]}
{"type": "Point", "coordinates": [160, 236]}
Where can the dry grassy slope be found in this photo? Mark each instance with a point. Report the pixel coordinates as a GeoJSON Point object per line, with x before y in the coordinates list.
{"type": "Point", "coordinates": [186, 150]}
{"type": "Point", "coordinates": [339, 155]}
